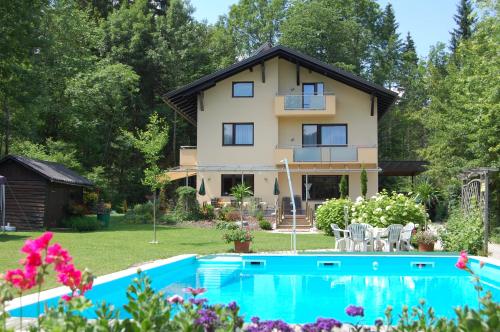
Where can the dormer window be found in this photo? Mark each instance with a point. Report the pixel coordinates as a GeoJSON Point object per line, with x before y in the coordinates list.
{"type": "Point", "coordinates": [242, 89]}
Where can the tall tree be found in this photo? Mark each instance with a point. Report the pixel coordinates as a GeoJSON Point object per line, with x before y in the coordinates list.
{"type": "Point", "coordinates": [254, 22]}
{"type": "Point", "coordinates": [337, 32]}
{"type": "Point", "coordinates": [465, 20]}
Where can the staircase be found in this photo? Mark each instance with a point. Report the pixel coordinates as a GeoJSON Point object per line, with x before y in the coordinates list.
{"type": "Point", "coordinates": [301, 225]}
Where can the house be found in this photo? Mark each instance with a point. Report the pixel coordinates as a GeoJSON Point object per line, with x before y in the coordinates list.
{"type": "Point", "coordinates": [281, 104]}
{"type": "Point", "coordinates": [38, 193]}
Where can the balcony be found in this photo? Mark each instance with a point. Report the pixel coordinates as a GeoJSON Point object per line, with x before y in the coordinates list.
{"type": "Point", "coordinates": [188, 156]}
{"type": "Point", "coordinates": [304, 105]}
{"type": "Point", "coordinates": [328, 154]}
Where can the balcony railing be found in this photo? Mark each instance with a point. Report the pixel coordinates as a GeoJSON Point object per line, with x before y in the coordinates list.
{"type": "Point", "coordinates": [327, 154]}
{"type": "Point", "coordinates": [304, 105]}
{"type": "Point", "coordinates": [305, 102]}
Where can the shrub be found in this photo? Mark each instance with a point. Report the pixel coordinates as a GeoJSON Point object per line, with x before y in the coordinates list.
{"type": "Point", "coordinates": [332, 212]}
{"type": "Point", "coordinates": [76, 209]}
{"type": "Point", "coordinates": [380, 210]}
{"type": "Point", "coordinates": [226, 225]}
{"type": "Point", "coordinates": [187, 207]}
{"type": "Point", "coordinates": [463, 232]}
{"type": "Point", "coordinates": [83, 224]}
{"type": "Point", "coordinates": [141, 214]}
{"type": "Point", "coordinates": [168, 219]}
{"type": "Point", "coordinates": [239, 235]}
{"type": "Point", "coordinates": [265, 225]}
{"type": "Point", "coordinates": [207, 212]}
{"type": "Point", "coordinates": [229, 213]}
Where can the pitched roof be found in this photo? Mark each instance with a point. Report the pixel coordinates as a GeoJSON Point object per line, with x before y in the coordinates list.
{"type": "Point", "coordinates": [184, 100]}
{"type": "Point", "coordinates": [53, 172]}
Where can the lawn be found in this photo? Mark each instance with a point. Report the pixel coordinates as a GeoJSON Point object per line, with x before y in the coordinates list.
{"type": "Point", "coordinates": [124, 245]}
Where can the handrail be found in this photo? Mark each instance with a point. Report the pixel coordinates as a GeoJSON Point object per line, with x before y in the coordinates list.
{"type": "Point", "coordinates": [286, 146]}
{"type": "Point", "coordinates": [184, 147]}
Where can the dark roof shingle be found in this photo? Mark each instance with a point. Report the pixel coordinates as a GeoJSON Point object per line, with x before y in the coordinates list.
{"type": "Point", "coordinates": [52, 171]}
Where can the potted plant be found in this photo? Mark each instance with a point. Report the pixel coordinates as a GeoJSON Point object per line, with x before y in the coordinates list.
{"type": "Point", "coordinates": [241, 239]}
{"type": "Point", "coordinates": [425, 240]}
{"type": "Point", "coordinates": [240, 192]}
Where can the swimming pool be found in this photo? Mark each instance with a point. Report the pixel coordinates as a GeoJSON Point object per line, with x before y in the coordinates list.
{"type": "Point", "coordinates": [299, 289]}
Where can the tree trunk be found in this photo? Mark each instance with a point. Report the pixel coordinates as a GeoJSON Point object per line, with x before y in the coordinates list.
{"type": "Point", "coordinates": [7, 125]}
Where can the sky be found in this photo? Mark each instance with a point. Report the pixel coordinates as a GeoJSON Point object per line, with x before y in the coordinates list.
{"type": "Point", "coordinates": [428, 21]}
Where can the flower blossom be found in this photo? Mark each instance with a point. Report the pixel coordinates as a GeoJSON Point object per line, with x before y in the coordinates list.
{"type": "Point", "coordinates": [353, 311]}
{"type": "Point", "coordinates": [176, 299]}
{"type": "Point", "coordinates": [21, 279]}
{"type": "Point", "coordinates": [194, 291]}
{"type": "Point", "coordinates": [462, 261]}
{"type": "Point", "coordinates": [57, 255]}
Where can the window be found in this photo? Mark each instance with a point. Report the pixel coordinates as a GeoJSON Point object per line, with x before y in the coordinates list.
{"type": "Point", "coordinates": [228, 181]}
{"type": "Point", "coordinates": [311, 89]}
{"type": "Point", "coordinates": [243, 89]}
{"type": "Point", "coordinates": [322, 186]}
{"type": "Point", "coordinates": [324, 134]}
{"type": "Point", "coordinates": [237, 134]}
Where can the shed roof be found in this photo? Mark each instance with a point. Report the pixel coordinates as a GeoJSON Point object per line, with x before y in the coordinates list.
{"type": "Point", "coordinates": [52, 171]}
{"type": "Point", "coordinates": [403, 167]}
{"type": "Point", "coordinates": [184, 100]}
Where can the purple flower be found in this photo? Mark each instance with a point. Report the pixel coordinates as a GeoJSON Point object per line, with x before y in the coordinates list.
{"type": "Point", "coordinates": [379, 322]}
{"type": "Point", "coordinates": [268, 326]}
{"type": "Point", "coordinates": [233, 306]}
{"type": "Point", "coordinates": [198, 302]}
{"type": "Point", "coordinates": [321, 324]}
{"type": "Point", "coordinates": [353, 311]}
{"type": "Point", "coordinates": [208, 319]}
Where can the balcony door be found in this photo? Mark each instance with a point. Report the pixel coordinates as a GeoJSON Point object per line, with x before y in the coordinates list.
{"type": "Point", "coordinates": [309, 90]}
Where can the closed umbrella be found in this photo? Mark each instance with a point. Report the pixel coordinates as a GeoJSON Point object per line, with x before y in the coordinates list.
{"type": "Point", "coordinates": [276, 187]}
{"type": "Point", "coordinates": [202, 188]}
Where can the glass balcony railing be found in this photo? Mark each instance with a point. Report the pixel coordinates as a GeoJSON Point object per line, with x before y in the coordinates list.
{"type": "Point", "coordinates": [326, 154]}
{"type": "Point", "coordinates": [305, 102]}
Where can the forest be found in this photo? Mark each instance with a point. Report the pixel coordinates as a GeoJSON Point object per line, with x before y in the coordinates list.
{"type": "Point", "coordinates": [78, 79]}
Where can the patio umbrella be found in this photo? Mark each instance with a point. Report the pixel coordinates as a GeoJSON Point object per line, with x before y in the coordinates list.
{"type": "Point", "coordinates": [276, 187]}
{"type": "Point", "coordinates": [202, 188]}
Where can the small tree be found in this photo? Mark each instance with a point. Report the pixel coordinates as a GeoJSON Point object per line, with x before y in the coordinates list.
{"type": "Point", "coordinates": [364, 182]}
{"type": "Point", "coordinates": [343, 186]}
{"type": "Point", "coordinates": [150, 142]}
{"type": "Point", "coordinates": [240, 192]}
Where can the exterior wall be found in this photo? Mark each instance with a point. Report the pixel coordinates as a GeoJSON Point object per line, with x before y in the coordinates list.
{"type": "Point", "coordinates": [352, 108]}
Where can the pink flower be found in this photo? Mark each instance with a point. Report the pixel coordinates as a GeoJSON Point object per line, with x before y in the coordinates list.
{"type": "Point", "coordinates": [43, 241]}
{"type": "Point", "coordinates": [194, 291]}
{"type": "Point", "coordinates": [32, 259]}
{"type": "Point", "coordinates": [67, 297]}
{"type": "Point", "coordinates": [57, 255]}
{"type": "Point", "coordinates": [462, 261]}
{"type": "Point", "coordinates": [463, 256]}
{"type": "Point", "coordinates": [69, 276]}
{"type": "Point", "coordinates": [20, 279]}
{"type": "Point", "coordinates": [176, 299]}
{"type": "Point", "coordinates": [461, 264]}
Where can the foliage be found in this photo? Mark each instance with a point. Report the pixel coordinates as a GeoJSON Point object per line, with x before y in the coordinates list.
{"type": "Point", "coordinates": [380, 210]}
{"type": "Point", "coordinates": [265, 225]}
{"type": "Point", "coordinates": [240, 192]}
{"type": "Point", "coordinates": [343, 187]}
{"type": "Point", "coordinates": [425, 237]}
{"type": "Point", "coordinates": [364, 182]}
{"type": "Point", "coordinates": [187, 207]}
{"type": "Point", "coordinates": [238, 235]}
{"type": "Point", "coordinates": [425, 192]}
{"type": "Point", "coordinates": [332, 212]}
{"type": "Point", "coordinates": [141, 213]}
{"type": "Point", "coordinates": [207, 212]}
{"type": "Point", "coordinates": [76, 209]}
{"type": "Point", "coordinates": [83, 223]}
{"type": "Point", "coordinates": [226, 225]}
{"type": "Point", "coordinates": [463, 232]}
{"type": "Point", "coordinates": [229, 213]}
{"type": "Point", "coordinates": [465, 19]}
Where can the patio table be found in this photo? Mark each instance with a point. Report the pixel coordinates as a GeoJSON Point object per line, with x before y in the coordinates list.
{"type": "Point", "coordinates": [377, 233]}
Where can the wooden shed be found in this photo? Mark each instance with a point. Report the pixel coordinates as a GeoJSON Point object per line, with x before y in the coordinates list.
{"type": "Point", "coordinates": [38, 193]}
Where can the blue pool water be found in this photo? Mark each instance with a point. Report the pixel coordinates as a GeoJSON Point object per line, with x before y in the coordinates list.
{"type": "Point", "coordinates": [299, 289]}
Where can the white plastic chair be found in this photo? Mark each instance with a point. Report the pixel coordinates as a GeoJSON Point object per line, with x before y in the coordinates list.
{"type": "Point", "coordinates": [370, 238]}
{"type": "Point", "coordinates": [393, 235]}
{"type": "Point", "coordinates": [357, 236]}
{"type": "Point", "coordinates": [405, 237]}
{"type": "Point", "coordinates": [341, 241]}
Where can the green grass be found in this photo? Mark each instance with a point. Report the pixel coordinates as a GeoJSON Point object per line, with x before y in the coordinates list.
{"type": "Point", "coordinates": [124, 245]}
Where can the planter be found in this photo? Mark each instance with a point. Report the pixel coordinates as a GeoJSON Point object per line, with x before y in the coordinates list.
{"type": "Point", "coordinates": [242, 246]}
{"type": "Point", "coordinates": [426, 247]}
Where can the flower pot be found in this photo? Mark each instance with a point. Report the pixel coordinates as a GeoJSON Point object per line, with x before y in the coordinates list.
{"type": "Point", "coordinates": [426, 247]}
{"type": "Point", "coordinates": [241, 246]}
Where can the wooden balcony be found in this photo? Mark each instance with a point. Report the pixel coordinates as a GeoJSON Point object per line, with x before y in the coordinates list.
{"type": "Point", "coordinates": [299, 105]}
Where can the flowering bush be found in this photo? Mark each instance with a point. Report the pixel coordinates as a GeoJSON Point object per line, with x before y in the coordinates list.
{"type": "Point", "coordinates": [463, 232]}
{"type": "Point", "coordinates": [238, 235]}
{"type": "Point", "coordinates": [381, 210]}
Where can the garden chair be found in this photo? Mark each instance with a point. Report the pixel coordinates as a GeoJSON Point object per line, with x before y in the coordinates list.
{"type": "Point", "coordinates": [393, 235]}
{"type": "Point", "coordinates": [405, 237]}
{"type": "Point", "coordinates": [369, 236]}
{"type": "Point", "coordinates": [341, 241]}
{"type": "Point", "coordinates": [357, 236]}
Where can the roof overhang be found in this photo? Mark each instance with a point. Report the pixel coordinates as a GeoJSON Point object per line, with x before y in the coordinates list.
{"type": "Point", "coordinates": [403, 167]}
{"type": "Point", "coordinates": [184, 100]}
